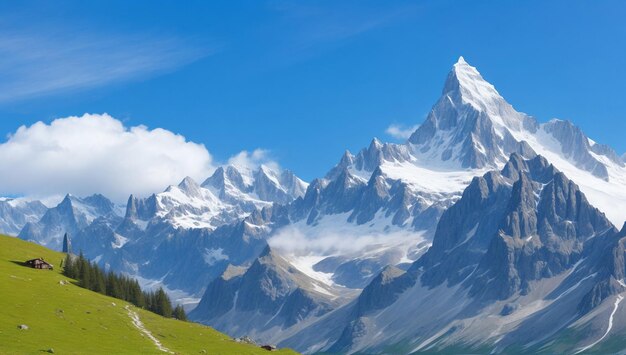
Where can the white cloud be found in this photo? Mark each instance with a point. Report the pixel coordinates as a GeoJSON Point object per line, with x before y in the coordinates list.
{"type": "Point", "coordinates": [400, 131]}
{"type": "Point", "coordinates": [252, 160]}
{"type": "Point", "coordinates": [97, 153]}
{"type": "Point", "coordinates": [336, 239]}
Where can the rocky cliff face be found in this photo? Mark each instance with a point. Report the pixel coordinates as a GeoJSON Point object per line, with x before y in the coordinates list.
{"type": "Point", "coordinates": [510, 228]}
{"type": "Point", "coordinates": [577, 147]}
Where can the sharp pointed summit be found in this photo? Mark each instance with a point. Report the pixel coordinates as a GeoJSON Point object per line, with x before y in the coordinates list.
{"type": "Point", "coordinates": [466, 86]}
{"type": "Point", "coordinates": [190, 186]}
{"type": "Point", "coordinates": [471, 125]}
{"type": "Point", "coordinates": [465, 81]}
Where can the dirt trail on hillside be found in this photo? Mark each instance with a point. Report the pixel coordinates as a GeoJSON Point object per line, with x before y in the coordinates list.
{"type": "Point", "coordinates": [139, 325]}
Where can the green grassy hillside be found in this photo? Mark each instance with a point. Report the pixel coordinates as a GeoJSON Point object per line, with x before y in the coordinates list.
{"type": "Point", "coordinates": [71, 320]}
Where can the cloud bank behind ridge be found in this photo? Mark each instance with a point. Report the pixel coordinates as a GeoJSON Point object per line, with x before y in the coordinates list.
{"type": "Point", "coordinates": [400, 132]}
{"type": "Point", "coordinates": [96, 153]}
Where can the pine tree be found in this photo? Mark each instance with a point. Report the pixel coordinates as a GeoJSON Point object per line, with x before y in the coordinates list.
{"type": "Point", "coordinates": [78, 266]}
{"type": "Point", "coordinates": [179, 313]}
{"type": "Point", "coordinates": [85, 275]}
{"type": "Point", "coordinates": [121, 285]}
{"type": "Point", "coordinates": [136, 295]}
{"type": "Point", "coordinates": [112, 285]}
{"type": "Point", "coordinates": [92, 277]}
{"type": "Point", "coordinates": [69, 267]}
{"type": "Point", "coordinates": [125, 287]}
{"type": "Point", "coordinates": [149, 300]}
{"type": "Point", "coordinates": [99, 285]}
{"type": "Point", "coordinates": [163, 304]}
{"type": "Point", "coordinates": [129, 289]}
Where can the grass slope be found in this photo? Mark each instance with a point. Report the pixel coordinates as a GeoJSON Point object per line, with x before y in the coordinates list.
{"type": "Point", "coordinates": [72, 320]}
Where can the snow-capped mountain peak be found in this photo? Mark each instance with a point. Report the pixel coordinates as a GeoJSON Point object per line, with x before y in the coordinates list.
{"type": "Point", "coordinates": [266, 169]}
{"type": "Point", "coordinates": [466, 86]}
{"type": "Point", "coordinates": [466, 82]}
{"type": "Point", "coordinates": [189, 186]}
{"type": "Point", "coordinates": [271, 185]}
{"type": "Point", "coordinates": [90, 207]}
{"type": "Point", "coordinates": [266, 173]}
{"type": "Point", "coordinates": [471, 125]}
{"type": "Point", "coordinates": [347, 159]}
{"type": "Point", "coordinates": [228, 177]}
{"type": "Point", "coordinates": [16, 212]}
{"type": "Point", "coordinates": [69, 216]}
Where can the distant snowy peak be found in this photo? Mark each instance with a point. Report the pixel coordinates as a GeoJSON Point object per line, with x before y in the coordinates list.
{"type": "Point", "coordinates": [141, 208]}
{"type": "Point", "coordinates": [370, 158]}
{"type": "Point", "coordinates": [90, 208]}
{"type": "Point", "coordinates": [15, 213]}
{"type": "Point", "coordinates": [227, 178]}
{"type": "Point", "coordinates": [228, 195]}
{"type": "Point", "coordinates": [69, 216]}
{"type": "Point", "coordinates": [187, 205]}
{"type": "Point", "coordinates": [270, 185]}
{"type": "Point", "coordinates": [292, 184]}
{"type": "Point", "coordinates": [190, 187]}
{"type": "Point", "coordinates": [263, 184]}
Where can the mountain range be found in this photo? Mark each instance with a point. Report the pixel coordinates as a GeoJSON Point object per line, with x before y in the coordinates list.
{"type": "Point", "coordinates": [485, 231]}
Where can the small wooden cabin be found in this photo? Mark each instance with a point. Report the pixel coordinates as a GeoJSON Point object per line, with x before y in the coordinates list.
{"type": "Point", "coordinates": [39, 263]}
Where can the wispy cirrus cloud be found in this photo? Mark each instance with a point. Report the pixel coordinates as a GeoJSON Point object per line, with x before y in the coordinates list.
{"type": "Point", "coordinates": [313, 26]}
{"type": "Point", "coordinates": [52, 59]}
{"type": "Point", "coordinates": [320, 24]}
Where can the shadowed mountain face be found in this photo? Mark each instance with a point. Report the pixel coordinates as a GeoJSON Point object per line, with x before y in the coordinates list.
{"type": "Point", "coordinates": [517, 241]}
{"type": "Point", "coordinates": [269, 296]}
{"type": "Point", "coordinates": [527, 222]}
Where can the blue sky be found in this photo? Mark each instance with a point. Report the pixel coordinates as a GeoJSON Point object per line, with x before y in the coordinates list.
{"type": "Point", "coordinates": [305, 80]}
